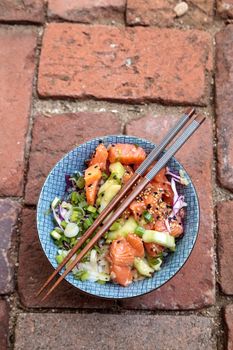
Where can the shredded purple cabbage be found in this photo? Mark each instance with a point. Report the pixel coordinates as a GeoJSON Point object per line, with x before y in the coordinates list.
{"type": "Point", "coordinates": [57, 218]}
{"type": "Point", "coordinates": [178, 201]}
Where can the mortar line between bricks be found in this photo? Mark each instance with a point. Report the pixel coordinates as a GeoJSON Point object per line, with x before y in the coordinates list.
{"type": "Point", "coordinates": [14, 297]}
{"type": "Point", "coordinates": [216, 188]}
{"type": "Point", "coordinates": [32, 107]}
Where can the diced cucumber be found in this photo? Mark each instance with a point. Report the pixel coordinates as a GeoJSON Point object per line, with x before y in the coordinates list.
{"type": "Point", "coordinates": [129, 226]}
{"type": "Point", "coordinates": [161, 238]}
{"type": "Point", "coordinates": [55, 235]}
{"type": "Point", "coordinates": [106, 185]}
{"type": "Point", "coordinates": [108, 195]}
{"type": "Point", "coordinates": [143, 267]}
{"type": "Point", "coordinates": [115, 226]}
{"type": "Point", "coordinates": [117, 170]}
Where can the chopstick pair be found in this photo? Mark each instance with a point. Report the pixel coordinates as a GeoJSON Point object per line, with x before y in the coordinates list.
{"type": "Point", "coordinates": [121, 196]}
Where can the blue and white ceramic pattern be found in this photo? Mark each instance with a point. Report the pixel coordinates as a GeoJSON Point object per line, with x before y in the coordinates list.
{"type": "Point", "coordinates": [55, 186]}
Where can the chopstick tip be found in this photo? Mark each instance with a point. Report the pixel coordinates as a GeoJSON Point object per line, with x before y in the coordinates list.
{"type": "Point", "coordinates": [200, 118]}
{"type": "Point", "coordinates": [190, 112]}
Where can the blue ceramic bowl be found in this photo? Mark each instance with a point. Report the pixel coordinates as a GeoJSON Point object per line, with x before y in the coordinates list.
{"type": "Point", "coordinates": [55, 186]}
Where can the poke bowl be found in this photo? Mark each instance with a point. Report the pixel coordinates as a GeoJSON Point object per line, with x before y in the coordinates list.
{"type": "Point", "coordinates": [55, 189]}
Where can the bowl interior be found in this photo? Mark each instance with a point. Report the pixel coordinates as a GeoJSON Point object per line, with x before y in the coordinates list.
{"type": "Point", "coordinates": [55, 186]}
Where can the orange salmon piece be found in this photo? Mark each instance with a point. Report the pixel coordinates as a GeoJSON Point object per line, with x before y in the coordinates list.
{"type": "Point", "coordinates": [92, 177]}
{"type": "Point", "coordinates": [92, 174]}
{"type": "Point", "coordinates": [153, 249]}
{"type": "Point", "coordinates": [137, 244]}
{"type": "Point", "coordinates": [91, 192]}
{"type": "Point", "coordinates": [176, 227]}
{"type": "Point", "coordinates": [137, 209]}
{"type": "Point", "coordinates": [126, 154]}
{"type": "Point", "coordinates": [100, 157]}
{"type": "Point", "coordinates": [121, 274]}
{"type": "Point", "coordinates": [121, 252]}
{"type": "Point", "coordinates": [128, 174]}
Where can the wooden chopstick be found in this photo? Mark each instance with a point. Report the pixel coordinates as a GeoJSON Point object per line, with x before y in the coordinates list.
{"type": "Point", "coordinates": [192, 127]}
{"type": "Point", "coordinates": [121, 194]}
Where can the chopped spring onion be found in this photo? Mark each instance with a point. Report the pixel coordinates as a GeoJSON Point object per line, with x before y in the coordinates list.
{"type": "Point", "coordinates": [87, 223]}
{"type": "Point", "coordinates": [74, 216]}
{"type": "Point", "coordinates": [91, 209]}
{"type": "Point", "coordinates": [147, 216]}
{"type": "Point", "coordinates": [139, 231]}
{"type": "Point", "coordinates": [58, 230]}
{"type": "Point", "coordinates": [74, 198]}
{"type": "Point", "coordinates": [71, 230]}
{"type": "Point", "coordinates": [64, 224]}
{"type": "Point", "coordinates": [82, 275]}
{"type": "Point", "coordinates": [59, 259]}
{"type": "Point", "coordinates": [80, 182]}
{"type": "Point", "coordinates": [55, 202]}
{"type": "Point", "coordinates": [154, 263]}
{"type": "Point", "coordinates": [55, 235]}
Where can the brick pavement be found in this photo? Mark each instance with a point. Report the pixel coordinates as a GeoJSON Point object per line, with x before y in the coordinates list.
{"type": "Point", "coordinates": [108, 67]}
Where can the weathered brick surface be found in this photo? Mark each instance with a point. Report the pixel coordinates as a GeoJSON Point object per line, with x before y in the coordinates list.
{"type": "Point", "coordinates": [225, 8]}
{"type": "Point", "coordinates": [4, 318]}
{"type": "Point", "coordinates": [34, 269]}
{"type": "Point", "coordinates": [16, 73]}
{"type": "Point", "coordinates": [194, 286]}
{"type": "Point", "coordinates": [87, 11]}
{"type": "Point", "coordinates": [224, 97]}
{"type": "Point", "coordinates": [50, 143]}
{"type": "Point", "coordinates": [8, 219]}
{"type": "Point", "coordinates": [161, 13]}
{"type": "Point", "coordinates": [225, 246]}
{"type": "Point", "coordinates": [114, 63]}
{"type": "Point", "coordinates": [18, 11]}
{"type": "Point", "coordinates": [229, 324]}
{"type": "Point", "coordinates": [98, 331]}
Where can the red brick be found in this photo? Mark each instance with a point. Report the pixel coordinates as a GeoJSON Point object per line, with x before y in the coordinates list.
{"type": "Point", "coordinates": [22, 11]}
{"type": "Point", "coordinates": [229, 324]}
{"type": "Point", "coordinates": [224, 105]}
{"type": "Point", "coordinates": [161, 13]}
{"type": "Point", "coordinates": [114, 63]}
{"type": "Point", "coordinates": [87, 11]}
{"type": "Point", "coordinates": [9, 211]}
{"type": "Point", "coordinates": [194, 286]}
{"type": "Point", "coordinates": [4, 319]}
{"type": "Point", "coordinates": [17, 57]}
{"type": "Point", "coordinates": [225, 246]}
{"type": "Point", "coordinates": [225, 8]}
{"type": "Point", "coordinates": [43, 331]}
{"type": "Point", "coordinates": [50, 143]}
{"type": "Point", "coordinates": [34, 269]}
